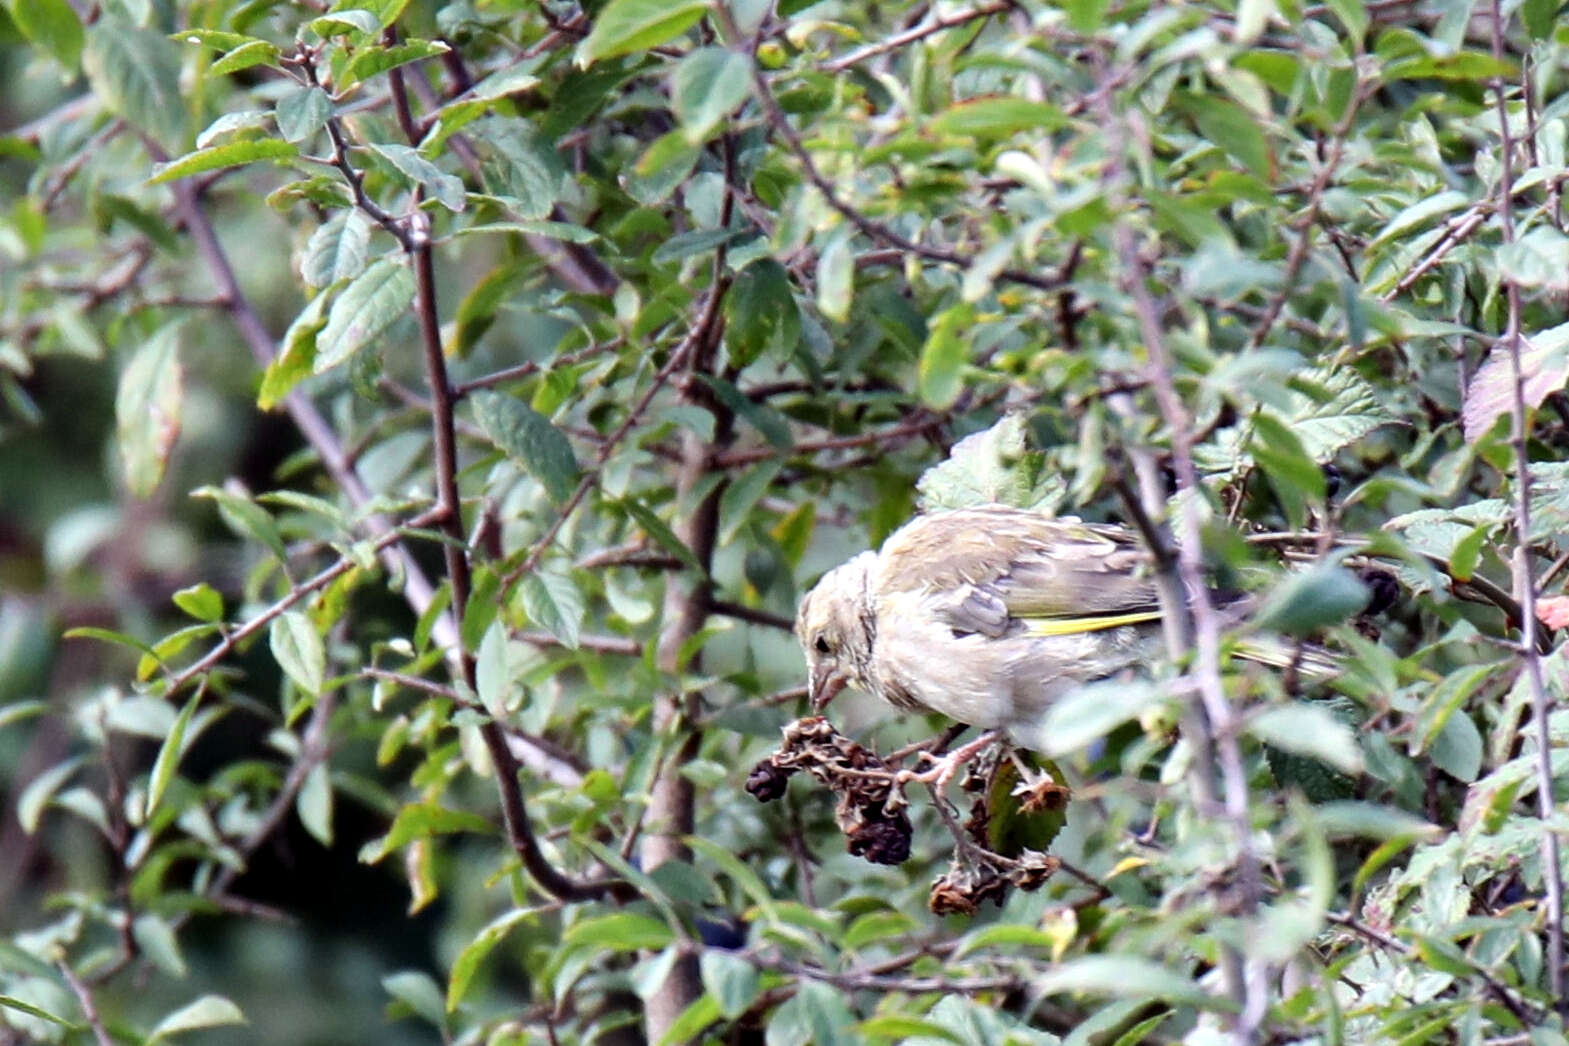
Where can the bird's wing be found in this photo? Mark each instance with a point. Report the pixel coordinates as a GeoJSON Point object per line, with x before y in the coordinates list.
{"type": "Point", "coordinates": [984, 569]}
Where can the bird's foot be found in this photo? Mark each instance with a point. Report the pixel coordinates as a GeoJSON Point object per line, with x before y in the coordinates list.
{"type": "Point", "coordinates": [942, 769]}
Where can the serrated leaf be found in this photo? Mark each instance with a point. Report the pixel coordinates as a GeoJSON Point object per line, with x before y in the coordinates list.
{"type": "Point", "coordinates": [228, 123]}
{"type": "Point", "coordinates": [528, 437]}
{"type": "Point", "coordinates": [147, 410]}
{"type": "Point", "coordinates": [302, 112]}
{"type": "Point", "coordinates": [761, 316]}
{"type": "Point", "coordinates": [706, 87]}
{"type": "Point", "coordinates": [230, 154]}
{"type": "Point", "coordinates": [299, 650]}
{"type": "Point", "coordinates": [378, 298]}
{"type": "Point", "coordinates": [446, 189]}
{"type": "Point", "coordinates": [625, 26]}
{"type": "Point", "coordinates": [1544, 365]}
{"type": "Point", "coordinates": [136, 73]}
{"type": "Point", "coordinates": [553, 601]}
{"type": "Point", "coordinates": [993, 466]}
{"type": "Point", "coordinates": [346, 21]}
{"type": "Point", "coordinates": [564, 231]}
{"type": "Point", "coordinates": [209, 1011]}
{"type": "Point", "coordinates": [657, 529]}
{"type": "Point", "coordinates": [336, 250]}
{"type": "Point", "coordinates": [296, 360]}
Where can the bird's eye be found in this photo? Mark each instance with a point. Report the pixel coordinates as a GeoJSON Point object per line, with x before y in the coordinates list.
{"type": "Point", "coordinates": [821, 644]}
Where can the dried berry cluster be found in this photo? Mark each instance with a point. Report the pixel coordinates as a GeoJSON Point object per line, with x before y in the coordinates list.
{"type": "Point", "coordinates": [870, 811]}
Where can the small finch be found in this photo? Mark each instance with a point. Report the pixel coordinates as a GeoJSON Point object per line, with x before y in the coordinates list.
{"type": "Point", "coordinates": [987, 615]}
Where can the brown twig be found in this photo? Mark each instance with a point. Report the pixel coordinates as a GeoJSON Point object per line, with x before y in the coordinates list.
{"type": "Point", "coordinates": [1520, 565]}
{"type": "Point", "coordinates": [933, 23]}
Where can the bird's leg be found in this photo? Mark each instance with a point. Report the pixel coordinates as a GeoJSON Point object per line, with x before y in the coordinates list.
{"type": "Point", "coordinates": [943, 768]}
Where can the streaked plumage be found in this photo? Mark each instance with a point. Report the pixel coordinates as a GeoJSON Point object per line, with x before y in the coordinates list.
{"type": "Point", "coordinates": [983, 614]}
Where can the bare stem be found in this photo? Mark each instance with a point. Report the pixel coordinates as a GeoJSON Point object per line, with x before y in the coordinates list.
{"type": "Point", "coordinates": [1524, 583]}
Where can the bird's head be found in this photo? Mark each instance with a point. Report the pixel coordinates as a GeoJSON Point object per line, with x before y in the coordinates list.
{"type": "Point", "coordinates": [837, 625]}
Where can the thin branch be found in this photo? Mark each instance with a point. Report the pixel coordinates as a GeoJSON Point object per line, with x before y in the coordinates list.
{"type": "Point", "coordinates": [751, 614]}
{"type": "Point", "coordinates": [514, 808]}
{"type": "Point", "coordinates": [321, 579]}
{"type": "Point", "coordinates": [932, 24]}
{"type": "Point", "coordinates": [1524, 583]}
{"type": "Point", "coordinates": [874, 229]}
{"type": "Point", "coordinates": [84, 999]}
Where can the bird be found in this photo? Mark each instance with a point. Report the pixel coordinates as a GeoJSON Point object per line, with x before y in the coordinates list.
{"type": "Point", "coordinates": [987, 615]}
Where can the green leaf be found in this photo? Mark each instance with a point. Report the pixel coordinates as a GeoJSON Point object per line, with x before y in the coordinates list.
{"type": "Point", "coordinates": [446, 189]}
{"type": "Point", "coordinates": [35, 797]}
{"type": "Point", "coordinates": [168, 759]}
{"type": "Point", "coordinates": [136, 73]}
{"type": "Point", "coordinates": [147, 410]}
{"type": "Point", "coordinates": [1089, 712]}
{"type": "Point", "coordinates": [620, 932]}
{"type": "Point", "coordinates": [836, 279]}
{"type": "Point", "coordinates": [761, 316]}
{"type": "Point", "coordinates": [564, 231]}
{"type": "Point", "coordinates": [998, 118]}
{"type": "Point", "coordinates": [528, 438]}
{"type": "Point", "coordinates": [372, 61]}
{"type": "Point", "coordinates": [295, 362]}
{"type": "Point", "coordinates": [660, 531]}
{"type": "Point", "coordinates": [230, 154]}
{"type": "Point", "coordinates": [336, 251]}
{"type": "Point", "coordinates": [51, 25]}
{"type": "Point", "coordinates": [248, 54]}
{"type": "Point", "coordinates": [155, 939]}
{"type": "Point", "coordinates": [520, 164]}
{"type": "Point", "coordinates": [553, 601]}
{"type": "Point", "coordinates": [420, 821]}
{"type": "Point", "coordinates": [993, 466]}
{"type": "Point", "coordinates": [201, 601]}
{"type": "Point", "coordinates": [706, 87]}
{"type": "Point", "coordinates": [625, 26]}
{"type": "Point", "coordinates": [1126, 977]}
{"type": "Point", "coordinates": [1468, 552]}
{"type": "Point", "coordinates": [377, 299]}
{"type": "Point", "coordinates": [899, 1027]}
{"type": "Point", "coordinates": [299, 651]}
{"type": "Point", "coordinates": [1308, 729]}
{"type": "Point", "coordinates": [699, 1014]}
{"type": "Point", "coordinates": [302, 112]}
{"type": "Point", "coordinates": [313, 804]}
{"type": "Point", "coordinates": [209, 1011]}
{"type": "Point", "coordinates": [484, 942]}
{"type": "Point", "coordinates": [731, 980]}
{"type": "Point", "coordinates": [1312, 599]}
{"type": "Point", "coordinates": [1234, 130]}
{"type": "Point", "coordinates": [944, 356]}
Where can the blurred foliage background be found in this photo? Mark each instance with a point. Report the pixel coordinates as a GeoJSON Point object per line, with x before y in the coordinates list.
{"type": "Point", "coordinates": [419, 421]}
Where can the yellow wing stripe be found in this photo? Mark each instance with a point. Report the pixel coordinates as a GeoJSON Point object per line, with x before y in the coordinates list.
{"type": "Point", "coordinates": [1072, 626]}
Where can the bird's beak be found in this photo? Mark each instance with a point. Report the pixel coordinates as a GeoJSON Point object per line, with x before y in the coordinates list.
{"type": "Point", "coordinates": [824, 685]}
